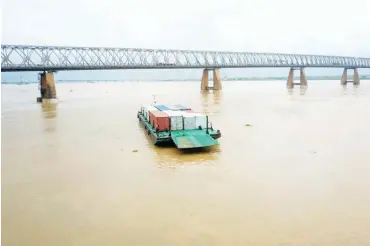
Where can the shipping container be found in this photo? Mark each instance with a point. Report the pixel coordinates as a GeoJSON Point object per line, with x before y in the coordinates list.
{"type": "Point", "coordinates": [200, 120]}
{"type": "Point", "coordinates": [159, 120]}
{"type": "Point", "coordinates": [144, 110]}
{"type": "Point", "coordinates": [147, 109]}
{"type": "Point", "coordinates": [185, 126]}
{"type": "Point", "coordinates": [189, 121]}
{"type": "Point", "coordinates": [161, 107]}
{"type": "Point", "coordinates": [189, 111]}
{"type": "Point", "coordinates": [176, 119]}
{"type": "Point", "coordinates": [178, 107]}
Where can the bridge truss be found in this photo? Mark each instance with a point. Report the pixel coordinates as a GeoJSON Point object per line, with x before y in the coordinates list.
{"type": "Point", "coordinates": [54, 58]}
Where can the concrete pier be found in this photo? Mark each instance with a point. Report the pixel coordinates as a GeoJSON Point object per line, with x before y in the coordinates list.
{"type": "Point", "coordinates": [217, 80]}
{"type": "Point", "coordinates": [302, 79]}
{"type": "Point", "coordinates": [356, 77]}
{"type": "Point", "coordinates": [290, 81]}
{"type": "Point", "coordinates": [217, 84]}
{"type": "Point", "coordinates": [47, 86]}
{"type": "Point", "coordinates": [343, 80]}
{"type": "Point", "coordinates": [204, 83]}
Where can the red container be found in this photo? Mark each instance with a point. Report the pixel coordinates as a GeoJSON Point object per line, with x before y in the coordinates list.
{"type": "Point", "coordinates": [189, 111]}
{"type": "Point", "coordinates": [159, 120]}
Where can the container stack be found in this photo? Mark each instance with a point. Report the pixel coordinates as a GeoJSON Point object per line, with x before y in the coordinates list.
{"type": "Point", "coordinates": [178, 107]}
{"type": "Point", "coordinates": [195, 120]}
{"type": "Point", "coordinates": [161, 107]}
{"type": "Point", "coordinates": [159, 120]}
{"type": "Point", "coordinates": [173, 117]}
{"type": "Point", "coordinates": [145, 109]}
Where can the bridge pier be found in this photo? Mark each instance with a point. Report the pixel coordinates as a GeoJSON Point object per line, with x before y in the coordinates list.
{"type": "Point", "coordinates": [302, 79]}
{"type": "Point", "coordinates": [204, 82]}
{"type": "Point", "coordinates": [217, 85]}
{"type": "Point", "coordinates": [356, 77]}
{"type": "Point", "coordinates": [343, 80]}
{"type": "Point", "coordinates": [47, 86]}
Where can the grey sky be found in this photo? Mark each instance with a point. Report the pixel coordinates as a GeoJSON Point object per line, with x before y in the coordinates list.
{"type": "Point", "coordinates": [289, 26]}
{"type": "Point", "coordinates": [315, 26]}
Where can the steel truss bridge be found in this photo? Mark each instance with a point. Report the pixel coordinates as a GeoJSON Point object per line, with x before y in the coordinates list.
{"type": "Point", "coordinates": [56, 58]}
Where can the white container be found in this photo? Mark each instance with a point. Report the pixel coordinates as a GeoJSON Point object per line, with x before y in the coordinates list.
{"type": "Point", "coordinates": [152, 108]}
{"type": "Point", "coordinates": [176, 119]}
{"type": "Point", "coordinates": [200, 120]}
{"type": "Point", "coordinates": [189, 121]}
{"type": "Point", "coordinates": [142, 108]}
{"type": "Point", "coordinates": [146, 109]}
{"type": "Point", "coordinates": [178, 107]}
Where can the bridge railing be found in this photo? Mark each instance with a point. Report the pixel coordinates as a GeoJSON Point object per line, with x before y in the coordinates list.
{"type": "Point", "coordinates": [38, 58]}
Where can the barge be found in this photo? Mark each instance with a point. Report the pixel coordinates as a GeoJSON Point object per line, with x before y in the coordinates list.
{"type": "Point", "coordinates": [179, 125]}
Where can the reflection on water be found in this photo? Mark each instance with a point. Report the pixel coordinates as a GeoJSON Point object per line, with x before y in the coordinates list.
{"type": "Point", "coordinates": [204, 97]}
{"type": "Point", "coordinates": [217, 97]}
{"type": "Point", "coordinates": [210, 101]}
{"type": "Point", "coordinates": [344, 89]}
{"type": "Point", "coordinates": [302, 90]}
{"type": "Point", "coordinates": [49, 108]}
{"type": "Point", "coordinates": [350, 89]}
{"type": "Point", "coordinates": [49, 112]}
{"type": "Point", "coordinates": [171, 157]}
{"type": "Point", "coordinates": [167, 155]}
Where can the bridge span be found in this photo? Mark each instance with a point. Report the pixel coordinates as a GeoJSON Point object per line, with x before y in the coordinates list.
{"type": "Point", "coordinates": [46, 59]}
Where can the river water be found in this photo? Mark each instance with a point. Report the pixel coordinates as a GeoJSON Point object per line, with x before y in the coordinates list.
{"type": "Point", "coordinates": [297, 175]}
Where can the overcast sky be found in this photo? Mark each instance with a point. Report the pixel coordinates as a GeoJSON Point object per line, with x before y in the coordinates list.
{"type": "Point", "coordinates": [314, 26]}
{"type": "Point", "coordinates": [289, 26]}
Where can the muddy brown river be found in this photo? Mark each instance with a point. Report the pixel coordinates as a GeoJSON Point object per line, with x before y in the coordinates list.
{"type": "Point", "coordinates": [291, 169]}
